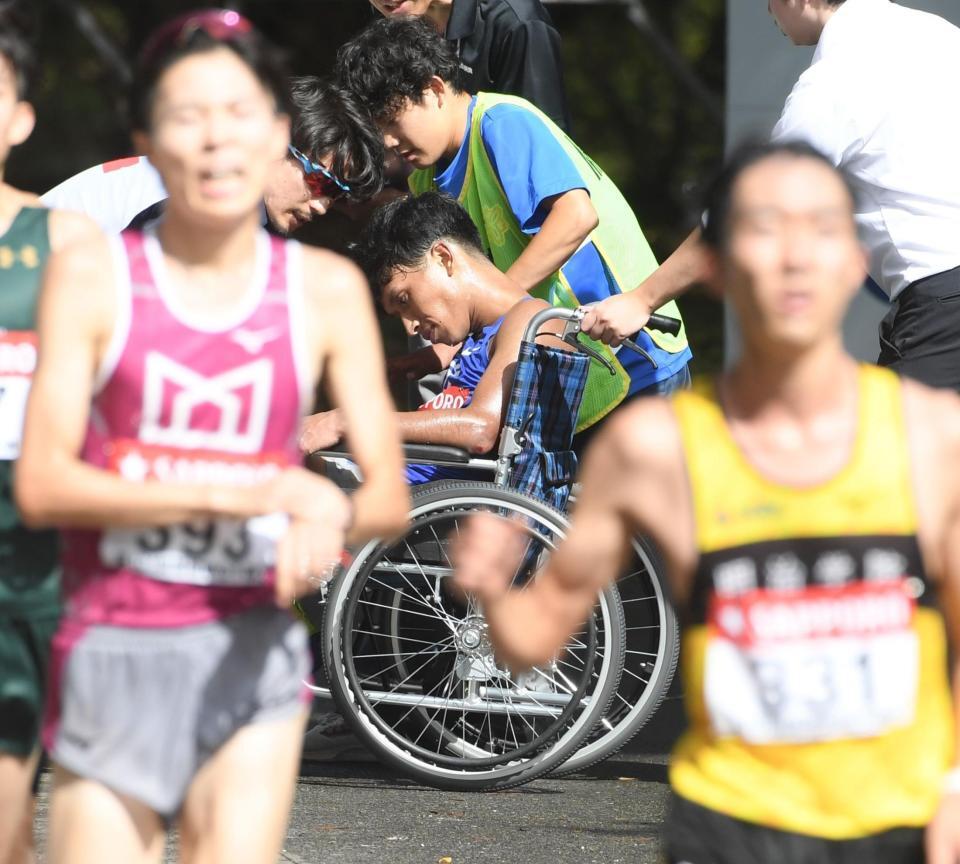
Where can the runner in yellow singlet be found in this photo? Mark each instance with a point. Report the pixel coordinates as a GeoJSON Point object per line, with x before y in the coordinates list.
{"type": "Point", "coordinates": [808, 509]}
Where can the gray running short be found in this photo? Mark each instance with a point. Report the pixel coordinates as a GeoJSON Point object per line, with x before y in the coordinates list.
{"type": "Point", "coordinates": [141, 710]}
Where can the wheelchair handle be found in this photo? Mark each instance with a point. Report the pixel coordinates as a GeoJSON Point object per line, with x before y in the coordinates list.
{"type": "Point", "coordinates": [664, 323]}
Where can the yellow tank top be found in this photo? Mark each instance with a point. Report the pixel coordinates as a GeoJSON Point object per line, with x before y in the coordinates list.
{"type": "Point", "coordinates": [813, 654]}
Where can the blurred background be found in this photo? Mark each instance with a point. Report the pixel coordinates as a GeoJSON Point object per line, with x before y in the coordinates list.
{"type": "Point", "coordinates": [645, 81]}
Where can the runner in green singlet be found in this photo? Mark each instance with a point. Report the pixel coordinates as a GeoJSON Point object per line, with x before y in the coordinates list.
{"type": "Point", "coordinates": [29, 578]}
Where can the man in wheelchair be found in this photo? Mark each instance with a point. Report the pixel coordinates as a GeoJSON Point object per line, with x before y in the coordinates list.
{"type": "Point", "coordinates": [425, 262]}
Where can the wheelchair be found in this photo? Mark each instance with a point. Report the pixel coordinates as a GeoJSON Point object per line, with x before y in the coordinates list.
{"type": "Point", "coordinates": [406, 655]}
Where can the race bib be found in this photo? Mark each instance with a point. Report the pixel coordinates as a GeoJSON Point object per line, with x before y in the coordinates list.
{"type": "Point", "coordinates": [18, 360]}
{"type": "Point", "coordinates": [235, 552]}
{"type": "Point", "coordinates": [817, 664]}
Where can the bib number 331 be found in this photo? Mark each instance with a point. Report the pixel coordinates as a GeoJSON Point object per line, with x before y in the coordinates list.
{"type": "Point", "coordinates": [821, 665]}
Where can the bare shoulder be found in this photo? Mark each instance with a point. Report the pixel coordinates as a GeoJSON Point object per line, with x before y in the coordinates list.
{"type": "Point", "coordinates": [932, 415]}
{"type": "Point", "coordinates": [68, 227]}
{"type": "Point", "coordinates": [332, 278]}
{"type": "Point", "coordinates": [639, 444]}
{"type": "Point", "coordinates": [521, 313]}
{"type": "Point", "coordinates": [645, 435]}
{"type": "Point", "coordinates": [74, 278]}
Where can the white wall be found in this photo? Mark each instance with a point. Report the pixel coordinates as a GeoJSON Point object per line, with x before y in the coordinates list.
{"type": "Point", "coordinates": [762, 66]}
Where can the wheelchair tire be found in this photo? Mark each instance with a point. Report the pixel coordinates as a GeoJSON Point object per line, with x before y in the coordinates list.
{"type": "Point", "coordinates": [653, 647]}
{"type": "Point", "coordinates": [410, 668]}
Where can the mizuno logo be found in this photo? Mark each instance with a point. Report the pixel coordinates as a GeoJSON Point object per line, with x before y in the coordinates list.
{"type": "Point", "coordinates": [252, 341]}
{"type": "Point", "coordinates": [184, 408]}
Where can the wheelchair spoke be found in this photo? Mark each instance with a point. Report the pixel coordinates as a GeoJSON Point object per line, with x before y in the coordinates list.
{"type": "Point", "coordinates": [398, 638]}
{"type": "Point", "coordinates": [446, 650]}
{"type": "Point", "coordinates": [400, 683]}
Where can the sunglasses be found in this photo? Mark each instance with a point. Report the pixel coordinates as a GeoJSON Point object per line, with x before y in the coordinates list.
{"type": "Point", "coordinates": [323, 183]}
{"type": "Point", "coordinates": [222, 25]}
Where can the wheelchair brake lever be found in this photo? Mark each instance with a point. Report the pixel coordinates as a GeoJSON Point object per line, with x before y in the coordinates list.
{"type": "Point", "coordinates": [633, 346]}
{"type": "Point", "coordinates": [590, 352]}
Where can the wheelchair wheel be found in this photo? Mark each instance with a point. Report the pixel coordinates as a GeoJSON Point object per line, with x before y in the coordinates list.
{"type": "Point", "coordinates": [653, 645]}
{"type": "Point", "coordinates": [412, 670]}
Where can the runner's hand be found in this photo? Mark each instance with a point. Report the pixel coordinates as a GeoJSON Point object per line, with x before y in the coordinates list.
{"type": "Point", "coordinates": [486, 556]}
{"type": "Point", "coordinates": [943, 832]}
{"type": "Point", "coordinates": [307, 556]}
{"type": "Point", "coordinates": [616, 318]}
{"type": "Point", "coordinates": [309, 497]}
{"type": "Point", "coordinates": [319, 431]}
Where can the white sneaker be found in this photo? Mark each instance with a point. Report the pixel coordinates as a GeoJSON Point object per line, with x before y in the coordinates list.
{"type": "Point", "coordinates": [332, 740]}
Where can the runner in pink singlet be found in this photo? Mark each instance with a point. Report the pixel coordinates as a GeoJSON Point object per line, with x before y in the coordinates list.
{"type": "Point", "coordinates": [161, 435]}
{"type": "Point", "coordinates": [183, 401]}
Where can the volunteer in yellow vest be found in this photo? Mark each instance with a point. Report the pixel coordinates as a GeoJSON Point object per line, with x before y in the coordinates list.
{"type": "Point", "coordinates": [29, 560]}
{"type": "Point", "coordinates": [808, 509]}
{"type": "Point", "coordinates": [547, 215]}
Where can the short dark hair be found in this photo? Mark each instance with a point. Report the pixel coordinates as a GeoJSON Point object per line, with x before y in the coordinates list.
{"type": "Point", "coordinates": [393, 60]}
{"type": "Point", "coordinates": [401, 233]}
{"type": "Point", "coordinates": [265, 60]}
{"type": "Point", "coordinates": [17, 30]}
{"type": "Point", "coordinates": [328, 120]}
{"type": "Point", "coordinates": [716, 225]}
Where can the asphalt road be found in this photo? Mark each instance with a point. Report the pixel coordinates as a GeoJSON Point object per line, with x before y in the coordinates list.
{"type": "Point", "coordinates": [354, 813]}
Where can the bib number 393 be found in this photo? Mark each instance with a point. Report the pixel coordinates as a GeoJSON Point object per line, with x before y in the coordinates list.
{"type": "Point", "coordinates": [233, 552]}
{"type": "Point", "coordinates": [824, 665]}
{"type": "Point", "coordinates": [18, 359]}
{"type": "Point", "coordinates": [222, 552]}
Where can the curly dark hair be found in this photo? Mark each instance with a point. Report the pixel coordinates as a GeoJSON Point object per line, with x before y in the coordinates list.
{"type": "Point", "coordinates": [327, 119]}
{"type": "Point", "coordinates": [393, 60]}
{"type": "Point", "coordinates": [400, 234]}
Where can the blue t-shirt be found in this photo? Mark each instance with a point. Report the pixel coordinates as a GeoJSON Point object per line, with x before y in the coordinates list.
{"type": "Point", "coordinates": [533, 166]}
{"type": "Point", "coordinates": [459, 383]}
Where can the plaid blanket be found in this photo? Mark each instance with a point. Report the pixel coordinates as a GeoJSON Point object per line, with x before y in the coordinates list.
{"type": "Point", "coordinates": [544, 402]}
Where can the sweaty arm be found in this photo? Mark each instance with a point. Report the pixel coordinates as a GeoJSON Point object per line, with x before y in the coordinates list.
{"type": "Point", "coordinates": [54, 486]}
{"type": "Point", "coordinates": [630, 484]}
{"type": "Point", "coordinates": [476, 426]}
{"type": "Point", "coordinates": [343, 329]}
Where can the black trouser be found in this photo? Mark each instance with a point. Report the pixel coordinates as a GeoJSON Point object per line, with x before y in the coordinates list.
{"type": "Point", "coordinates": [920, 335]}
{"type": "Point", "coordinates": [696, 835]}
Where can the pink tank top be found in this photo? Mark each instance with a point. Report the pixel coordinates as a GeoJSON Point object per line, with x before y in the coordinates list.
{"type": "Point", "coordinates": [191, 403]}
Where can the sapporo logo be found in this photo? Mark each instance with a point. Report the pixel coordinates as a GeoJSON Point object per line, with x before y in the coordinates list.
{"type": "Point", "coordinates": [240, 395]}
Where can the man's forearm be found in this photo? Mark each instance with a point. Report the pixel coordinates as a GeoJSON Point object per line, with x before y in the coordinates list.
{"type": "Point", "coordinates": [463, 428]}
{"type": "Point", "coordinates": [675, 276]}
{"type": "Point", "coordinates": [567, 225]}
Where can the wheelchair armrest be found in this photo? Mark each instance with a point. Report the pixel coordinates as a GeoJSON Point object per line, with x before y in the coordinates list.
{"type": "Point", "coordinates": [435, 453]}
{"type": "Point", "coordinates": [411, 453]}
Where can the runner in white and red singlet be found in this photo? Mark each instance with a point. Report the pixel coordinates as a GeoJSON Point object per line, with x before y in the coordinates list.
{"type": "Point", "coordinates": [161, 434]}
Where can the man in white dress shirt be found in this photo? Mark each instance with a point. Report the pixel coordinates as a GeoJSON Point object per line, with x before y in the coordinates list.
{"type": "Point", "coordinates": [880, 100]}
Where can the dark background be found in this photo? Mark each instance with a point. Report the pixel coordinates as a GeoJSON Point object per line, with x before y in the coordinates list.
{"type": "Point", "coordinates": [658, 136]}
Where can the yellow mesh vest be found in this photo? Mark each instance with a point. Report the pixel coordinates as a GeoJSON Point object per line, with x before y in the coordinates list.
{"type": "Point", "coordinates": [618, 239]}
{"type": "Point", "coordinates": [788, 561]}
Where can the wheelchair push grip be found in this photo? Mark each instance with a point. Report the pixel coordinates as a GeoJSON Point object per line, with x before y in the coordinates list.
{"type": "Point", "coordinates": [664, 323]}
